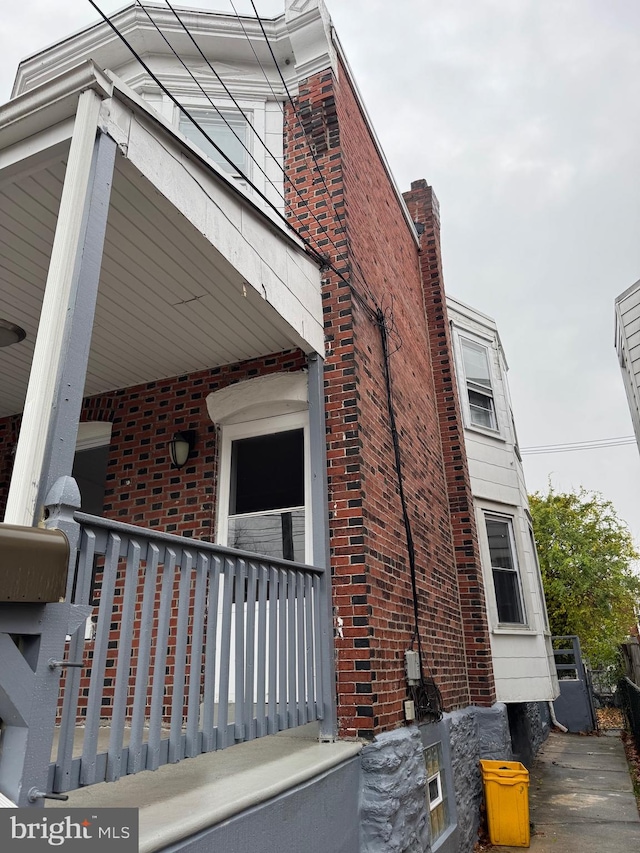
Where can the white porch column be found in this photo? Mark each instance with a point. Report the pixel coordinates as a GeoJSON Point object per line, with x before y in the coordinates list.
{"type": "Point", "coordinates": [53, 349]}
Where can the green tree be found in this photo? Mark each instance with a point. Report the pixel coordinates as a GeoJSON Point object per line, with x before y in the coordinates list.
{"type": "Point", "coordinates": [587, 558]}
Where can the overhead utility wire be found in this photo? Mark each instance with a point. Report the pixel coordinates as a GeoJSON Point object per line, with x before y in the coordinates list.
{"type": "Point", "coordinates": [277, 100]}
{"type": "Point", "coordinates": [354, 290]}
{"type": "Point", "coordinates": [207, 96]}
{"type": "Point", "coordinates": [578, 445]}
{"type": "Point", "coordinates": [322, 260]}
{"type": "Point", "coordinates": [286, 88]}
{"type": "Point", "coordinates": [292, 102]}
{"type": "Point", "coordinates": [217, 109]}
{"type": "Point", "coordinates": [590, 442]}
{"type": "Point", "coordinates": [411, 553]}
{"type": "Point", "coordinates": [238, 107]}
{"type": "Point", "coordinates": [253, 50]}
{"type": "Point", "coordinates": [382, 320]}
{"type": "Point", "coordinates": [312, 250]}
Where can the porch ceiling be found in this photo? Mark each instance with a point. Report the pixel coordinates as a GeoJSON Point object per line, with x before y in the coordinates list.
{"type": "Point", "coordinates": [169, 303]}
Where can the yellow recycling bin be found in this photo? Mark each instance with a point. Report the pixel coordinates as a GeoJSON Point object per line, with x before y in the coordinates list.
{"type": "Point", "coordinates": [506, 792]}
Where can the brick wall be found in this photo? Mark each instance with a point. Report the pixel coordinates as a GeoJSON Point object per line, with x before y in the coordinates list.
{"type": "Point", "coordinates": [424, 209]}
{"type": "Point", "coordinates": [358, 221]}
{"type": "Point", "coordinates": [142, 488]}
{"type": "Point", "coordinates": [372, 589]}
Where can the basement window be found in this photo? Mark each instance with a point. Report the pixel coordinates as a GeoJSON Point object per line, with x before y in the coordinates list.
{"type": "Point", "coordinates": [436, 791]}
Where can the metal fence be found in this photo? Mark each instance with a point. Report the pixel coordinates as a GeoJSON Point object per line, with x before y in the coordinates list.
{"type": "Point", "coordinates": [604, 682]}
{"type": "Point", "coordinates": [631, 705]}
{"type": "Point", "coordinates": [196, 647]}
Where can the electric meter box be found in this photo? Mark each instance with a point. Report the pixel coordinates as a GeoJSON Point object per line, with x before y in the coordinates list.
{"type": "Point", "coordinates": [412, 664]}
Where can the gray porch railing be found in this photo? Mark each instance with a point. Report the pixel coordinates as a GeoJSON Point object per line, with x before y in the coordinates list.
{"type": "Point", "coordinates": [196, 647]}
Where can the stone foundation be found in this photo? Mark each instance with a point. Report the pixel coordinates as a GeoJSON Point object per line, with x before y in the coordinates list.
{"type": "Point", "coordinates": [394, 812]}
{"type": "Point", "coordinates": [392, 801]}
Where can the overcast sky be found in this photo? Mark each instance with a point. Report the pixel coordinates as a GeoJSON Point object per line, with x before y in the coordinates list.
{"type": "Point", "coordinates": [524, 115]}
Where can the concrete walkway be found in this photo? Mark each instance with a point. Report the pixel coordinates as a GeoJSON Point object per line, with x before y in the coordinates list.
{"type": "Point", "coordinates": [581, 798]}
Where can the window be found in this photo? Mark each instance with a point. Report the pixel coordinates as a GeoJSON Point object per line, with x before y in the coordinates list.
{"type": "Point", "coordinates": [504, 567]}
{"type": "Point", "coordinates": [266, 496]}
{"type": "Point", "coordinates": [90, 464]}
{"type": "Point", "coordinates": [477, 372]}
{"type": "Point", "coordinates": [229, 130]}
{"type": "Point", "coordinates": [436, 791]}
{"type": "Point", "coordinates": [263, 488]}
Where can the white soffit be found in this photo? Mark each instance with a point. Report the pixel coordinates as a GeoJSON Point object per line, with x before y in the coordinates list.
{"type": "Point", "coordinates": [193, 276]}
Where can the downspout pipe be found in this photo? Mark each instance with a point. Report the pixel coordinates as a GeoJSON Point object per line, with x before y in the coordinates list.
{"type": "Point", "coordinates": [554, 719]}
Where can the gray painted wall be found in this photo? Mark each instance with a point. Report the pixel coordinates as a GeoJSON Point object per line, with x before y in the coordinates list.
{"type": "Point", "coordinates": [493, 732]}
{"type": "Point", "coordinates": [320, 816]}
{"type": "Point", "coordinates": [465, 755]}
{"type": "Point", "coordinates": [377, 802]}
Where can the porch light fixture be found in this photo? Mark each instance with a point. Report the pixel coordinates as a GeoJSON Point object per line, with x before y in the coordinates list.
{"type": "Point", "coordinates": [180, 448]}
{"type": "Point", "coordinates": [10, 333]}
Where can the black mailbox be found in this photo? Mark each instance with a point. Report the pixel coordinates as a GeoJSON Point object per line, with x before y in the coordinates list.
{"type": "Point", "coordinates": [33, 564]}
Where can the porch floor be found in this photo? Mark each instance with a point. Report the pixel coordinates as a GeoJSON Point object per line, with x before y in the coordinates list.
{"type": "Point", "coordinates": [179, 800]}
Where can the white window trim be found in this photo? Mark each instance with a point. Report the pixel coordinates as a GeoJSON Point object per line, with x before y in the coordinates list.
{"type": "Point", "coordinates": [92, 434]}
{"type": "Point", "coordinates": [489, 515]}
{"type": "Point", "coordinates": [249, 429]}
{"type": "Point", "coordinates": [440, 798]}
{"type": "Point", "coordinates": [482, 390]}
{"type": "Point", "coordinates": [219, 113]}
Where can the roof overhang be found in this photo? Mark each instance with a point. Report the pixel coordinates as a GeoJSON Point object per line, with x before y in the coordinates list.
{"type": "Point", "coordinates": [194, 273]}
{"type": "Point", "coordinates": [224, 36]}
